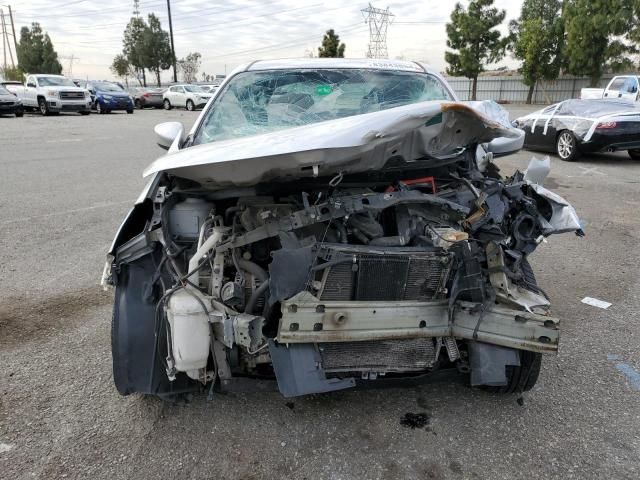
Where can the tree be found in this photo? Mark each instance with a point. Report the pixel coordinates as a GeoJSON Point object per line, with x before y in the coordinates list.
{"type": "Point", "coordinates": [538, 37]}
{"type": "Point", "coordinates": [12, 73]}
{"type": "Point", "coordinates": [633, 34]}
{"type": "Point", "coordinates": [133, 46]}
{"type": "Point", "coordinates": [331, 46]}
{"type": "Point", "coordinates": [36, 53]}
{"type": "Point", "coordinates": [594, 33]}
{"type": "Point", "coordinates": [156, 48]}
{"type": "Point", "coordinates": [123, 69]}
{"type": "Point", "coordinates": [189, 66]}
{"type": "Point", "coordinates": [472, 35]}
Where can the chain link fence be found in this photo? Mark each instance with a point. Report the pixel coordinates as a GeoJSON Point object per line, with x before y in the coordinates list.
{"type": "Point", "coordinates": [511, 89]}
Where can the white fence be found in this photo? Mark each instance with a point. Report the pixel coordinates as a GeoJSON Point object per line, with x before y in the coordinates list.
{"type": "Point", "coordinates": [512, 90]}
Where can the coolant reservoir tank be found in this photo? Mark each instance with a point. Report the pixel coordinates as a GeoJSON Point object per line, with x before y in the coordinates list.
{"type": "Point", "coordinates": [186, 218]}
{"type": "Point", "coordinates": [190, 334]}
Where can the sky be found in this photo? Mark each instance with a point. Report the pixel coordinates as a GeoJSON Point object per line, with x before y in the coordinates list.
{"type": "Point", "coordinates": [233, 32]}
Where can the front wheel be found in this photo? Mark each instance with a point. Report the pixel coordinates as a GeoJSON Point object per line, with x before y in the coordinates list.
{"type": "Point", "coordinates": [634, 154]}
{"type": "Point", "coordinates": [523, 378]}
{"type": "Point", "coordinates": [99, 109]}
{"type": "Point", "coordinates": [19, 114]}
{"type": "Point", "coordinates": [167, 105]}
{"type": "Point", "coordinates": [190, 106]}
{"type": "Point", "coordinates": [129, 112]}
{"type": "Point", "coordinates": [567, 146]}
{"type": "Point", "coordinates": [42, 105]}
{"type": "Point", "coordinates": [85, 113]}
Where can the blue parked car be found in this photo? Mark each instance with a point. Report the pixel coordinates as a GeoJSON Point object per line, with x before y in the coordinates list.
{"type": "Point", "coordinates": [108, 96]}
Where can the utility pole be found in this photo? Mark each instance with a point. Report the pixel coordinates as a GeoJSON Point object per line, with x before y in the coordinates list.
{"type": "Point", "coordinates": [378, 21]}
{"type": "Point", "coordinates": [13, 30]}
{"type": "Point", "coordinates": [4, 41]}
{"type": "Point", "coordinates": [173, 49]}
{"type": "Point", "coordinates": [72, 58]}
{"type": "Point", "coordinates": [8, 43]}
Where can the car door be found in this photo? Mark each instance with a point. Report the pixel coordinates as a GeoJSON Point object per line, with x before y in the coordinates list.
{"type": "Point", "coordinates": [537, 130]}
{"type": "Point", "coordinates": [31, 92]}
{"type": "Point", "coordinates": [614, 87]}
{"type": "Point", "coordinates": [181, 97]}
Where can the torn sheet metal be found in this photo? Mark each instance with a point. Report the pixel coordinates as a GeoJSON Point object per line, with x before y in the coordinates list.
{"type": "Point", "coordinates": [537, 170]}
{"type": "Point", "coordinates": [564, 217]}
{"type": "Point", "coordinates": [349, 145]}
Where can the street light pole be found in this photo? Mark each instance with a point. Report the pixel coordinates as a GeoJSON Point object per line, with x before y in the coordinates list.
{"type": "Point", "coordinates": [173, 49]}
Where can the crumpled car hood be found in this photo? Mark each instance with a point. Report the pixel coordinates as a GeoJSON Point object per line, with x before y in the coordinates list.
{"type": "Point", "coordinates": [347, 145]}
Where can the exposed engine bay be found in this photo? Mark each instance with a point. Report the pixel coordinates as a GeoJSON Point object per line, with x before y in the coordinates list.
{"type": "Point", "coordinates": [328, 281]}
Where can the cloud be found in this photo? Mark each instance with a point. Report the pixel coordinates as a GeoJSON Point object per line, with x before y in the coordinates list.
{"type": "Point", "coordinates": [240, 30]}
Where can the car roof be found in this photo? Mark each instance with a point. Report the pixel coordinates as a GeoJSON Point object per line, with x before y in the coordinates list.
{"type": "Point", "coordinates": [367, 63]}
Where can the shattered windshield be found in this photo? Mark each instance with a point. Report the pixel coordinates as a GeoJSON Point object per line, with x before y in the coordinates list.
{"type": "Point", "coordinates": [261, 102]}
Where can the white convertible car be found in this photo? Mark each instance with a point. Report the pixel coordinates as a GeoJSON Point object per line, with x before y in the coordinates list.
{"type": "Point", "coordinates": [328, 223]}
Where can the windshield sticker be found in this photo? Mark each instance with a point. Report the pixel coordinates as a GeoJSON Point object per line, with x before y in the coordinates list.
{"type": "Point", "coordinates": [322, 90]}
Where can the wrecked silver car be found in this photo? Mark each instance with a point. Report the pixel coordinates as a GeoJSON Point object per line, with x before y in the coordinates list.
{"type": "Point", "coordinates": [332, 222]}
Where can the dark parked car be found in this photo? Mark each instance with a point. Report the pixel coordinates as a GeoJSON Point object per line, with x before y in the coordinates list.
{"type": "Point", "coordinates": [146, 97]}
{"type": "Point", "coordinates": [574, 127]}
{"type": "Point", "coordinates": [108, 96]}
{"type": "Point", "coordinates": [9, 103]}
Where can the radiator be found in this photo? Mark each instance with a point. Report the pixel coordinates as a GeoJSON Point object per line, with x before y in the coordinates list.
{"type": "Point", "coordinates": [378, 355]}
{"type": "Point", "coordinates": [387, 276]}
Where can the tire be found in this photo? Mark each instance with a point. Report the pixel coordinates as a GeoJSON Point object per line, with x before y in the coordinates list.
{"type": "Point", "coordinates": [567, 146]}
{"type": "Point", "coordinates": [138, 104]}
{"type": "Point", "coordinates": [523, 378]}
{"type": "Point", "coordinates": [19, 114]}
{"type": "Point", "coordinates": [85, 113]}
{"type": "Point", "coordinates": [43, 107]}
{"type": "Point", "coordinates": [634, 154]}
{"type": "Point", "coordinates": [129, 112]}
{"type": "Point", "coordinates": [119, 371]}
{"type": "Point", "coordinates": [190, 106]}
{"type": "Point", "coordinates": [99, 109]}
{"type": "Point", "coordinates": [166, 104]}
{"type": "Point", "coordinates": [520, 379]}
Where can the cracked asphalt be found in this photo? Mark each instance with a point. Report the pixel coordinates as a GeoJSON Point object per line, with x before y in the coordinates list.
{"type": "Point", "coordinates": [66, 184]}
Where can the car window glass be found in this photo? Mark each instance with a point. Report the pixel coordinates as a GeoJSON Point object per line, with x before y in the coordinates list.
{"type": "Point", "coordinates": [107, 87]}
{"type": "Point", "coordinates": [565, 109]}
{"type": "Point", "coordinates": [549, 110]}
{"type": "Point", "coordinates": [630, 85]}
{"type": "Point", "coordinates": [616, 84]}
{"type": "Point", "coordinates": [260, 102]}
{"type": "Point", "coordinates": [55, 82]}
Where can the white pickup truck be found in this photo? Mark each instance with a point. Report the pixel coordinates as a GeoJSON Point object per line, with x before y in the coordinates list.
{"type": "Point", "coordinates": [52, 94]}
{"type": "Point", "coordinates": [622, 86]}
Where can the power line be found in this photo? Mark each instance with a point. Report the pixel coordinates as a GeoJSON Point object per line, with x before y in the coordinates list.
{"type": "Point", "coordinates": [378, 21]}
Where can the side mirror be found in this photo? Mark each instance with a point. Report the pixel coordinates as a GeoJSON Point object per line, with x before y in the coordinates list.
{"type": "Point", "coordinates": [505, 146]}
{"type": "Point", "coordinates": [31, 85]}
{"type": "Point", "coordinates": [634, 89]}
{"type": "Point", "coordinates": [167, 133]}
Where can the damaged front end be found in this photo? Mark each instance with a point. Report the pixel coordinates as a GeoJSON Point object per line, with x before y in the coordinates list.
{"type": "Point", "coordinates": [393, 250]}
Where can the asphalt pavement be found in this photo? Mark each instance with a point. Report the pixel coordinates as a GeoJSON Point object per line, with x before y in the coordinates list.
{"type": "Point", "coordinates": [66, 183]}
